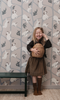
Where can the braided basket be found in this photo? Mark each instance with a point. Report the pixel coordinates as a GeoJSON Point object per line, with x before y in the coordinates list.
{"type": "Point", "coordinates": [40, 49]}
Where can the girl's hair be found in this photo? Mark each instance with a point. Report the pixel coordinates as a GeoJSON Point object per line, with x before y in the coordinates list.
{"type": "Point", "coordinates": [34, 32]}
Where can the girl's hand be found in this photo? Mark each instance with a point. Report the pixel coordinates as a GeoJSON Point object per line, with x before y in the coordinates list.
{"type": "Point", "coordinates": [45, 36]}
{"type": "Point", "coordinates": [35, 50]}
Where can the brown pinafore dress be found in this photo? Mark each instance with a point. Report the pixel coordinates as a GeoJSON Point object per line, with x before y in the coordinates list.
{"type": "Point", "coordinates": [36, 66]}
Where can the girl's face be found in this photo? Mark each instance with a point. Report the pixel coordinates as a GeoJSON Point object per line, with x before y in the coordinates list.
{"type": "Point", "coordinates": [38, 34]}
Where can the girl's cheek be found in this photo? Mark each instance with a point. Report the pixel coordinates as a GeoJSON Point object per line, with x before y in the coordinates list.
{"type": "Point", "coordinates": [40, 34]}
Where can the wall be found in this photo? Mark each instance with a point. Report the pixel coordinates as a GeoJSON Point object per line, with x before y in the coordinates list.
{"type": "Point", "coordinates": [18, 18]}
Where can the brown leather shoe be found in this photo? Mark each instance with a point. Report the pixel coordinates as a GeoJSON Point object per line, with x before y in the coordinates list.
{"type": "Point", "coordinates": [39, 80]}
{"type": "Point", "coordinates": [35, 92]}
{"type": "Point", "coordinates": [39, 93]}
{"type": "Point", "coordinates": [35, 89]}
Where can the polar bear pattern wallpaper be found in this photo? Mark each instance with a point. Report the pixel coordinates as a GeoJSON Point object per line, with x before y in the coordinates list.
{"type": "Point", "coordinates": [18, 19]}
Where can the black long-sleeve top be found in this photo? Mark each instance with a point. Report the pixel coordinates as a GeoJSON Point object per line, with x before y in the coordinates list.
{"type": "Point", "coordinates": [47, 45]}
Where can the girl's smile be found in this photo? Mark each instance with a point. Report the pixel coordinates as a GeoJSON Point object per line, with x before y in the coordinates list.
{"type": "Point", "coordinates": [38, 34]}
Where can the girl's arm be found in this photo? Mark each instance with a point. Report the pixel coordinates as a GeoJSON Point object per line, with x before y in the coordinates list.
{"type": "Point", "coordinates": [30, 45]}
{"type": "Point", "coordinates": [45, 36]}
{"type": "Point", "coordinates": [47, 43]}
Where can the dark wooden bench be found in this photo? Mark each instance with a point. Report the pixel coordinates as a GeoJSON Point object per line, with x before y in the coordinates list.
{"type": "Point", "coordinates": [15, 75]}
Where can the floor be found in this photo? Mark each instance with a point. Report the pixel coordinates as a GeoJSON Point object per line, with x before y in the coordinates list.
{"type": "Point", "coordinates": [48, 94]}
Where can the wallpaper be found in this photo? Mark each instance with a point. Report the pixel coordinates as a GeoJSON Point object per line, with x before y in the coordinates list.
{"type": "Point", "coordinates": [18, 19]}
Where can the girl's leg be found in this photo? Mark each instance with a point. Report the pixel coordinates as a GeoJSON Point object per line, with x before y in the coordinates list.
{"type": "Point", "coordinates": [34, 85]}
{"type": "Point", "coordinates": [39, 81]}
{"type": "Point", "coordinates": [34, 79]}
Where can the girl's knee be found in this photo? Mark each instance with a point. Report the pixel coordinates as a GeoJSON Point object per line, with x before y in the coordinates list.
{"type": "Point", "coordinates": [34, 77]}
{"type": "Point", "coordinates": [39, 77]}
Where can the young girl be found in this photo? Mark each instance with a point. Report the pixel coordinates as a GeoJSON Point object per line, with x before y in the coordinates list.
{"type": "Point", "coordinates": [36, 67]}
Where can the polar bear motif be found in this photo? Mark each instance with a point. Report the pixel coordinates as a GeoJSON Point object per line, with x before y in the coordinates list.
{"type": "Point", "coordinates": [23, 80]}
{"type": "Point", "coordinates": [26, 1]}
{"type": "Point", "coordinates": [58, 43]}
{"type": "Point", "coordinates": [56, 1]}
{"type": "Point", "coordinates": [44, 79]}
{"type": "Point", "coordinates": [59, 9]}
{"type": "Point", "coordinates": [58, 73]}
{"type": "Point", "coordinates": [56, 33]}
{"type": "Point", "coordinates": [14, 24]}
{"type": "Point", "coordinates": [29, 8]}
{"type": "Point", "coordinates": [28, 41]}
{"type": "Point", "coordinates": [8, 35]}
{"type": "Point", "coordinates": [5, 83]}
{"type": "Point", "coordinates": [26, 18]}
{"type": "Point", "coordinates": [24, 64]}
{"type": "Point", "coordinates": [8, 66]}
{"type": "Point", "coordinates": [24, 49]}
{"type": "Point", "coordinates": [55, 65]}
{"type": "Point", "coordinates": [56, 19]}
{"type": "Point", "coordinates": [13, 79]}
{"type": "Point", "coordinates": [55, 81]}
{"type": "Point", "coordinates": [40, 3]}
{"type": "Point", "coordinates": [25, 33]}
{"type": "Point", "coordinates": [9, 3]}
{"type": "Point", "coordinates": [45, 24]}
{"type": "Point", "coordinates": [13, 47]}
{"type": "Point", "coordinates": [37, 24]}
{"type": "Point", "coordinates": [55, 50]}
{"type": "Point", "coordinates": [5, 55]}
{"type": "Point", "coordinates": [45, 16]}
{"type": "Point", "coordinates": [6, 23]}
{"type": "Point", "coordinates": [14, 15]}
{"type": "Point", "coordinates": [14, 55]}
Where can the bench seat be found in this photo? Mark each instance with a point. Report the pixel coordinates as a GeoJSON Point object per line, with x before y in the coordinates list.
{"type": "Point", "coordinates": [15, 75]}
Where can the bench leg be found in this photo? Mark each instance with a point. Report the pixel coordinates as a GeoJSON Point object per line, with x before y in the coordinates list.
{"type": "Point", "coordinates": [25, 86]}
